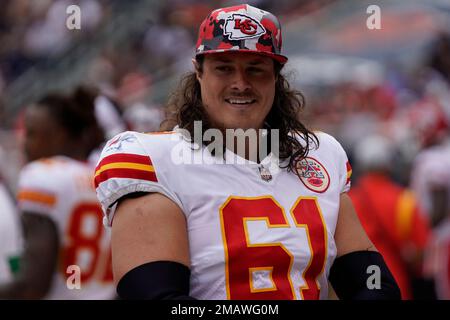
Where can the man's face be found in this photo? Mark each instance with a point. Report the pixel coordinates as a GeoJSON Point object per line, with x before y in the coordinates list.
{"type": "Point", "coordinates": [43, 136]}
{"type": "Point", "coordinates": [237, 89]}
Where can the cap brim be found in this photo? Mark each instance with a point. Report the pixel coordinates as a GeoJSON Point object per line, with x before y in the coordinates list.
{"type": "Point", "coordinates": [278, 57]}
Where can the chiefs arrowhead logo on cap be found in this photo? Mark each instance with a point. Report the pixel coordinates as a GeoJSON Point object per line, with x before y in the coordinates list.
{"type": "Point", "coordinates": [239, 27]}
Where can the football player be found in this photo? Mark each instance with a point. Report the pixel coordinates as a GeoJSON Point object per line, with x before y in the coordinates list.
{"type": "Point", "coordinates": [67, 250]}
{"type": "Point", "coordinates": [191, 220]}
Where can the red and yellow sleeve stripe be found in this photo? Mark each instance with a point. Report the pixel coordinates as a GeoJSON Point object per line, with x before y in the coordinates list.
{"type": "Point", "coordinates": [125, 165]}
{"type": "Point", "coordinates": [349, 172]}
{"type": "Point", "coordinates": [36, 196]}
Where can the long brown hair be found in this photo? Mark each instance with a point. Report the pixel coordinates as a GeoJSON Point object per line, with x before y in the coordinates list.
{"type": "Point", "coordinates": [185, 106]}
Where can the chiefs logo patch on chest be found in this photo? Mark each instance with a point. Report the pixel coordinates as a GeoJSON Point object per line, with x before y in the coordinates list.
{"type": "Point", "coordinates": [313, 174]}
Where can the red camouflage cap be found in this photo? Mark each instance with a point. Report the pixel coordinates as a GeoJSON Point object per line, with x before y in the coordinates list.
{"type": "Point", "coordinates": [241, 28]}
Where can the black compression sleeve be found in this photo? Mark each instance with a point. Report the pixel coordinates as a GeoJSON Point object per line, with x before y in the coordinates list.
{"type": "Point", "coordinates": [350, 273]}
{"type": "Point", "coordinates": [159, 280]}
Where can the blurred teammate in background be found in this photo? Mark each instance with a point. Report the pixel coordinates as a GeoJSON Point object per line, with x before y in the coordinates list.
{"type": "Point", "coordinates": [431, 182]}
{"type": "Point", "coordinates": [389, 213]}
{"type": "Point", "coordinates": [62, 219]}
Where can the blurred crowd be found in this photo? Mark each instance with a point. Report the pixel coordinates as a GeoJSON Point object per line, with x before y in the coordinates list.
{"type": "Point", "coordinates": [395, 130]}
{"type": "Point", "coordinates": [32, 33]}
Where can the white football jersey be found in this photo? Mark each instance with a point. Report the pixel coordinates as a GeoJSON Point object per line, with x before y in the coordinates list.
{"type": "Point", "coordinates": [61, 189]}
{"type": "Point", "coordinates": [255, 232]}
{"type": "Point", "coordinates": [11, 245]}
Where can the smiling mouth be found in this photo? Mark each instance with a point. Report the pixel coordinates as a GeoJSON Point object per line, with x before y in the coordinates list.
{"type": "Point", "coordinates": [240, 102]}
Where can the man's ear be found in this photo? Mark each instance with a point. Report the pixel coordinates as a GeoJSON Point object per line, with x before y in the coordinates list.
{"type": "Point", "coordinates": [197, 69]}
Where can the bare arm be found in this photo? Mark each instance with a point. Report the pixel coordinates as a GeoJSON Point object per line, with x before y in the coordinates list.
{"type": "Point", "coordinates": [147, 229]}
{"type": "Point", "coordinates": [350, 235]}
{"type": "Point", "coordinates": [38, 262]}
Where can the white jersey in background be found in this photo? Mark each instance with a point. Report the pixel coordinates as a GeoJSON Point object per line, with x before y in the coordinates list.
{"type": "Point", "coordinates": [61, 189]}
{"type": "Point", "coordinates": [254, 232]}
{"type": "Point", "coordinates": [11, 245]}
